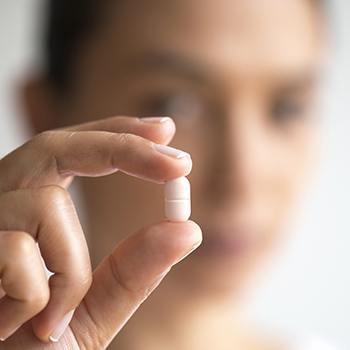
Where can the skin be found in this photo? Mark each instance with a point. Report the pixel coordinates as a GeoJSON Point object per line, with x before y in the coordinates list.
{"type": "Point", "coordinates": [239, 81]}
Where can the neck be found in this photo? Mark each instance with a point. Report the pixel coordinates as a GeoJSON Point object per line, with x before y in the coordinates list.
{"type": "Point", "coordinates": [181, 319]}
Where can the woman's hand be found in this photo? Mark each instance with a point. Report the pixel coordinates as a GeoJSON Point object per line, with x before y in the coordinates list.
{"type": "Point", "coordinates": [36, 207]}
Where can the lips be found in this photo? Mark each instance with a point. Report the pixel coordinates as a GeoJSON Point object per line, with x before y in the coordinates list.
{"type": "Point", "coordinates": [233, 242]}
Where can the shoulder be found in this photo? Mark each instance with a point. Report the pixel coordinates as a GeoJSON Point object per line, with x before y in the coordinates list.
{"type": "Point", "coordinates": [311, 343]}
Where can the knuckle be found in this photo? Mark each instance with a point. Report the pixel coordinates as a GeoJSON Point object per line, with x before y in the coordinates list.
{"type": "Point", "coordinates": [38, 298]}
{"type": "Point", "coordinates": [78, 279]}
{"type": "Point", "coordinates": [83, 280]}
{"type": "Point", "coordinates": [128, 144]}
{"type": "Point", "coordinates": [124, 138]}
{"type": "Point", "coordinates": [20, 243]}
{"type": "Point", "coordinates": [128, 140]}
{"type": "Point", "coordinates": [44, 138]}
{"type": "Point", "coordinates": [54, 194]}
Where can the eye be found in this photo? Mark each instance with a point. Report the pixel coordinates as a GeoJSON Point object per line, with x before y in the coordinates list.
{"type": "Point", "coordinates": [184, 107]}
{"type": "Point", "coordinates": [289, 110]}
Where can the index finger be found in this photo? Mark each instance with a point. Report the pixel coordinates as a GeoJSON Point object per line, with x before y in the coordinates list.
{"type": "Point", "coordinates": [156, 129]}
{"type": "Point", "coordinates": [51, 157]}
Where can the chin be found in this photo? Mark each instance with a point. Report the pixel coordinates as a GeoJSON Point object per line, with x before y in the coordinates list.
{"type": "Point", "coordinates": [205, 275]}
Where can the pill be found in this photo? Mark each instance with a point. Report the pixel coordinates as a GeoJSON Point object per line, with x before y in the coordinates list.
{"type": "Point", "coordinates": [177, 197]}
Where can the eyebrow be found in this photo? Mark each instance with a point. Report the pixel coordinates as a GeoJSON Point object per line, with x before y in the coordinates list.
{"type": "Point", "coordinates": [303, 80]}
{"type": "Point", "coordinates": [169, 62]}
{"type": "Point", "coordinates": [179, 65]}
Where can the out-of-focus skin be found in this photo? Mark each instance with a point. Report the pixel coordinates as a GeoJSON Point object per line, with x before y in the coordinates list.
{"type": "Point", "coordinates": [239, 79]}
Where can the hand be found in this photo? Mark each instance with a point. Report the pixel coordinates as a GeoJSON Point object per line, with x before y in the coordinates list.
{"type": "Point", "coordinates": [36, 210]}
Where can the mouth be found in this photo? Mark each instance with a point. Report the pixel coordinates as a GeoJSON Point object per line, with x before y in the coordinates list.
{"type": "Point", "coordinates": [234, 242]}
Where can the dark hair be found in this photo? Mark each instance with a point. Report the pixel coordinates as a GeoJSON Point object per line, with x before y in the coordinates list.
{"type": "Point", "coordinates": [69, 23]}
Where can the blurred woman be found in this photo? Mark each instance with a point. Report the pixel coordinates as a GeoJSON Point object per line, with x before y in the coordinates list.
{"type": "Point", "coordinates": [239, 80]}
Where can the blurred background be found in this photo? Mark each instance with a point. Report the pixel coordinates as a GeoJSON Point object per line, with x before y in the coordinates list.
{"type": "Point", "coordinates": [309, 290]}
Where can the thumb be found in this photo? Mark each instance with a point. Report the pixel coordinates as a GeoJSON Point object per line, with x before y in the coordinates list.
{"type": "Point", "coordinates": [125, 279]}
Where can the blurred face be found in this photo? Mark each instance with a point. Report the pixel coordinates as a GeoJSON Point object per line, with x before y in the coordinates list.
{"type": "Point", "coordinates": [239, 78]}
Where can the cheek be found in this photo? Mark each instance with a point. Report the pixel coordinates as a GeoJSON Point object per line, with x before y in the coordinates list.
{"type": "Point", "coordinates": [301, 154]}
{"type": "Point", "coordinates": [291, 164]}
{"type": "Point", "coordinates": [278, 194]}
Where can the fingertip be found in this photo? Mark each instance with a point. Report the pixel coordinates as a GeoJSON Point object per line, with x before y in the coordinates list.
{"type": "Point", "coordinates": [191, 231]}
{"type": "Point", "coordinates": [159, 129]}
{"type": "Point", "coordinates": [170, 163]}
{"type": "Point", "coordinates": [52, 335]}
{"type": "Point", "coordinates": [188, 166]}
{"type": "Point", "coordinates": [170, 129]}
{"type": "Point", "coordinates": [176, 237]}
{"type": "Point", "coordinates": [196, 229]}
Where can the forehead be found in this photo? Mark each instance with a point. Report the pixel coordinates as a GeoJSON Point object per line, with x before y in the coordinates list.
{"type": "Point", "coordinates": [246, 35]}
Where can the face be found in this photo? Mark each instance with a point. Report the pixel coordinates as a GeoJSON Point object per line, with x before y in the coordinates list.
{"type": "Point", "coordinates": [239, 79]}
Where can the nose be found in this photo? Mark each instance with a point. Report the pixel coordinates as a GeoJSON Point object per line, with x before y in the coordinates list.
{"type": "Point", "coordinates": [239, 159]}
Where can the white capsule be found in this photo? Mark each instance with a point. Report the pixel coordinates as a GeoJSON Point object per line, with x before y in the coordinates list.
{"type": "Point", "coordinates": [177, 197]}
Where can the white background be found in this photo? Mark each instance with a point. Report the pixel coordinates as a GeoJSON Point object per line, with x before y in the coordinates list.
{"type": "Point", "coordinates": [310, 289]}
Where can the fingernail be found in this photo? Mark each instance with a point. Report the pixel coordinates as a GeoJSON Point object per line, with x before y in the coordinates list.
{"type": "Point", "coordinates": [12, 332]}
{"type": "Point", "coordinates": [61, 327]}
{"type": "Point", "coordinates": [161, 276]}
{"type": "Point", "coordinates": [170, 151]}
{"type": "Point", "coordinates": [155, 119]}
{"type": "Point", "coordinates": [194, 247]}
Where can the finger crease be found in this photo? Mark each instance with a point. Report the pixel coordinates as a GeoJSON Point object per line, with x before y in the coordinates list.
{"type": "Point", "coordinates": [116, 274]}
{"type": "Point", "coordinates": [61, 172]}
